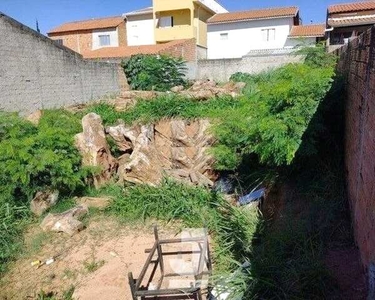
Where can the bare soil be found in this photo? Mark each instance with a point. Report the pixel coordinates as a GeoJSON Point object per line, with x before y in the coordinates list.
{"type": "Point", "coordinates": [94, 262]}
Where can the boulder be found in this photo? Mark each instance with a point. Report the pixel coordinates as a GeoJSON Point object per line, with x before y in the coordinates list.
{"type": "Point", "coordinates": [67, 222]}
{"type": "Point", "coordinates": [94, 202]}
{"type": "Point", "coordinates": [35, 117]}
{"type": "Point", "coordinates": [175, 148]}
{"type": "Point", "coordinates": [145, 164]}
{"type": "Point", "coordinates": [43, 201]}
{"type": "Point", "coordinates": [123, 136]}
{"type": "Point", "coordinates": [94, 149]}
{"type": "Point", "coordinates": [177, 89]}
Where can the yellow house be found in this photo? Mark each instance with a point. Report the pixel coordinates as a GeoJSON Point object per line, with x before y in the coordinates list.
{"type": "Point", "coordinates": [183, 19]}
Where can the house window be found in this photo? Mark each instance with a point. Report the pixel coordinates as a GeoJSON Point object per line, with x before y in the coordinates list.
{"type": "Point", "coordinates": [104, 40]}
{"type": "Point", "coordinates": [268, 35]}
{"type": "Point", "coordinates": [224, 36]}
{"type": "Point", "coordinates": [166, 22]}
{"type": "Point", "coordinates": [59, 42]}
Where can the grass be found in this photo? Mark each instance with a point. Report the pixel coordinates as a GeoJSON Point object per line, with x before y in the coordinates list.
{"type": "Point", "coordinates": [66, 295]}
{"type": "Point", "coordinates": [231, 227]}
{"type": "Point", "coordinates": [38, 241]}
{"type": "Point", "coordinates": [166, 106]}
{"type": "Point", "coordinates": [92, 265]}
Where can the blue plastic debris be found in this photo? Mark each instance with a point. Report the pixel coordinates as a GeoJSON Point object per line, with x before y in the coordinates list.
{"type": "Point", "coordinates": [252, 197]}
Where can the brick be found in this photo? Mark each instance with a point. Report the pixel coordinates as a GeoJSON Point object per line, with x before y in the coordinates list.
{"type": "Point", "coordinates": [360, 142]}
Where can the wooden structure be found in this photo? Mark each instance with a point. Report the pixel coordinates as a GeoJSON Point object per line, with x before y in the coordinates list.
{"type": "Point", "coordinates": [140, 291]}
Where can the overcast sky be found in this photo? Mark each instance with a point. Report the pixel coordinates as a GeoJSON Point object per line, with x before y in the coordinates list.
{"type": "Point", "coordinates": [51, 13]}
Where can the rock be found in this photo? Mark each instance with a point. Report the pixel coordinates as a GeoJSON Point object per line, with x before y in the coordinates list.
{"type": "Point", "coordinates": [239, 86]}
{"type": "Point", "coordinates": [199, 95]}
{"type": "Point", "coordinates": [67, 222]}
{"type": "Point", "coordinates": [145, 164]}
{"type": "Point", "coordinates": [123, 136]}
{"type": "Point", "coordinates": [43, 201]}
{"type": "Point", "coordinates": [177, 89]}
{"type": "Point", "coordinates": [35, 117]}
{"type": "Point", "coordinates": [95, 202]}
{"type": "Point", "coordinates": [174, 148]}
{"type": "Point", "coordinates": [94, 149]}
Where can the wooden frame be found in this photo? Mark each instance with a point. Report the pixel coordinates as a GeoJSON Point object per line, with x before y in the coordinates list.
{"type": "Point", "coordinates": [143, 292]}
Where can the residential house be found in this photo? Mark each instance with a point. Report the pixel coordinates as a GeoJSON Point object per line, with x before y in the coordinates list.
{"type": "Point", "coordinates": [235, 34]}
{"type": "Point", "coordinates": [345, 21]}
{"type": "Point", "coordinates": [140, 27]}
{"type": "Point", "coordinates": [184, 19]}
{"type": "Point", "coordinates": [88, 35]}
{"type": "Point", "coordinates": [305, 35]}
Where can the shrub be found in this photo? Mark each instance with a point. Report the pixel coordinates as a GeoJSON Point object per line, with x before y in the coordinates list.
{"type": "Point", "coordinates": [275, 114]}
{"type": "Point", "coordinates": [317, 56]}
{"type": "Point", "coordinates": [154, 72]}
{"type": "Point", "coordinates": [33, 158]}
{"type": "Point", "coordinates": [269, 120]}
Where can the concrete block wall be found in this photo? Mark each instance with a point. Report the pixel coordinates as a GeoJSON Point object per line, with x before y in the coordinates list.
{"type": "Point", "coordinates": [357, 64]}
{"type": "Point", "coordinates": [36, 73]}
{"type": "Point", "coordinates": [221, 69]}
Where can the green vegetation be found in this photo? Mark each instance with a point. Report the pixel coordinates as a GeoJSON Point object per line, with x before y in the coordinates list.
{"type": "Point", "coordinates": [270, 125]}
{"type": "Point", "coordinates": [154, 72]}
{"type": "Point", "coordinates": [33, 158]}
{"type": "Point", "coordinates": [268, 121]}
{"type": "Point", "coordinates": [232, 228]}
{"type": "Point", "coordinates": [93, 265]}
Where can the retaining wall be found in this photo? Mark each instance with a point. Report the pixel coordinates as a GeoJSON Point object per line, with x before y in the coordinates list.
{"type": "Point", "coordinates": [37, 73]}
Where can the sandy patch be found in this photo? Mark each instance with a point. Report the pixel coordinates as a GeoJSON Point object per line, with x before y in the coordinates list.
{"type": "Point", "coordinates": [95, 262]}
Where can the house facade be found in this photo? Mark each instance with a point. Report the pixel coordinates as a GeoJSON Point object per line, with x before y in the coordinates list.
{"type": "Point", "coordinates": [234, 34]}
{"type": "Point", "coordinates": [140, 27]}
{"type": "Point", "coordinates": [237, 34]}
{"type": "Point", "coordinates": [345, 21]}
{"type": "Point", "coordinates": [183, 19]}
{"type": "Point", "coordinates": [306, 35]}
{"type": "Point", "coordinates": [85, 36]}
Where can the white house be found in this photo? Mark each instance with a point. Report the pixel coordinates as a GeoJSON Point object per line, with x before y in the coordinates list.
{"type": "Point", "coordinates": [140, 27]}
{"type": "Point", "coordinates": [305, 35]}
{"type": "Point", "coordinates": [235, 34]}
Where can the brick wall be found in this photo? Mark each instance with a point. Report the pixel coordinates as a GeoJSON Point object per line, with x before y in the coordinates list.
{"type": "Point", "coordinates": [356, 63]}
{"type": "Point", "coordinates": [187, 49]}
{"type": "Point", "coordinates": [37, 73]}
{"type": "Point", "coordinates": [79, 41]}
{"type": "Point", "coordinates": [122, 37]}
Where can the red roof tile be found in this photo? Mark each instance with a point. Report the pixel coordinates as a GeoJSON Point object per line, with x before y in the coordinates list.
{"type": "Point", "coordinates": [88, 25]}
{"type": "Point", "coordinates": [351, 7]}
{"type": "Point", "coordinates": [313, 30]}
{"type": "Point", "coordinates": [267, 13]}
{"type": "Point", "coordinates": [360, 20]}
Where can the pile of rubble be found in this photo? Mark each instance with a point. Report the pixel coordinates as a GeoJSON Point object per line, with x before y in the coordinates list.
{"type": "Point", "coordinates": [204, 90]}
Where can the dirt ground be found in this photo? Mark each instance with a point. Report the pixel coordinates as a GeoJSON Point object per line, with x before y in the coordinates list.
{"type": "Point", "coordinates": [95, 263]}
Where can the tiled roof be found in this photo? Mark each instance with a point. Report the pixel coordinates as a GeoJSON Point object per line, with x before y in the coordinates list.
{"type": "Point", "coordinates": [127, 51]}
{"type": "Point", "coordinates": [351, 21]}
{"type": "Point", "coordinates": [267, 13]}
{"type": "Point", "coordinates": [88, 25]}
{"type": "Point", "coordinates": [351, 7]}
{"type": "Point", "coordinates": [313, 30]}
